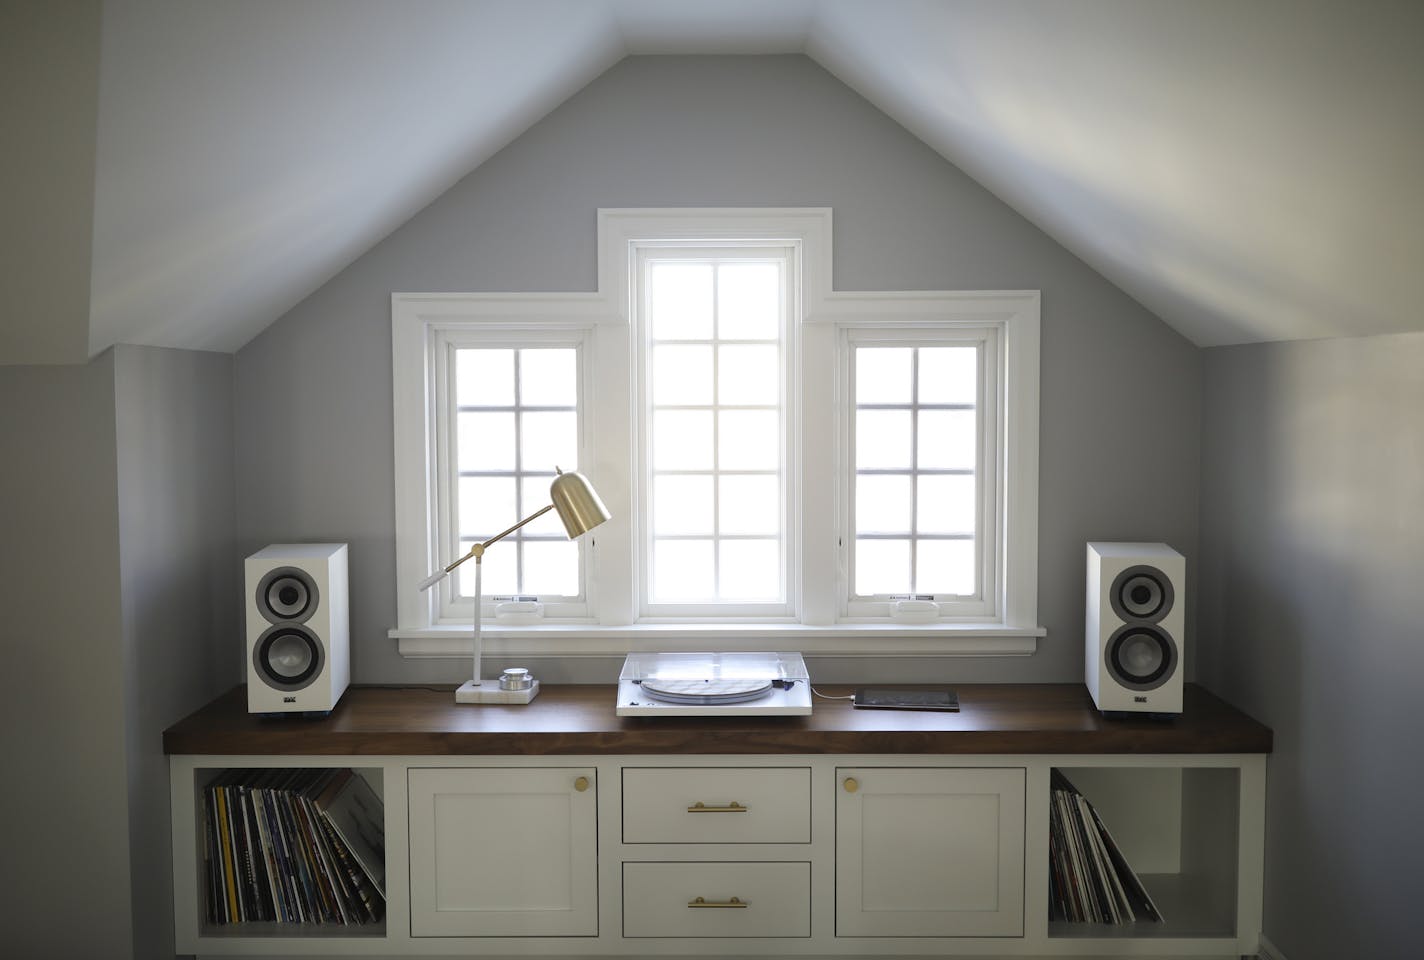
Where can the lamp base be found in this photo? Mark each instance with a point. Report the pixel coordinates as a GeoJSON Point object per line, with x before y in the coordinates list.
{"type": "Point", "coordinates": [488, 691]}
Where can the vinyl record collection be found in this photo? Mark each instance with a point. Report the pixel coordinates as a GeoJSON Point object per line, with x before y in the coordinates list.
{"type": "Point", "coordinates": [294, 845]}
{"type": "Point", "coordinates": [1090, 880]}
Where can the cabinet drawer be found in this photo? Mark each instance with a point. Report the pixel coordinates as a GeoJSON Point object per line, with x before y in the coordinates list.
{"type": "Point", "coordinates": [716, 805]}
{"type": "Point", "coordinates": [716, 899]}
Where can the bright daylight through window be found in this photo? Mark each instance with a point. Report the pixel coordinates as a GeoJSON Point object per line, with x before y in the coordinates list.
{"type": "Point", "coordinates": [715, 435]}
{"type": "Point", "coordinates": [801, 467]}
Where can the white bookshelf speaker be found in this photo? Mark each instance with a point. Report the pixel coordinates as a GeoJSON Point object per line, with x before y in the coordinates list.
{"type": "Point", "coordinates": [298, 628]}
{"type": "Point", "coordinates": [1134, 643]}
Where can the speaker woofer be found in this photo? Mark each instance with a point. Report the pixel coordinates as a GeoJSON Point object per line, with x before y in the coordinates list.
{"type": "Point", "coordinates": [1141, 656]}
{"type": "Point", "coordinates": [288, 657]}
{"type": "Point", "coordinates": [287, 594]}
{"type": "Point", "coordinates": [1142, 593]}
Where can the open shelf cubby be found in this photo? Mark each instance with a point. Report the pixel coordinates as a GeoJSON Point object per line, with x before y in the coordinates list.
{"type": "Point", "coordinates": [204, 777]}
{"type": "Point", "coordinates": [1178, 828]}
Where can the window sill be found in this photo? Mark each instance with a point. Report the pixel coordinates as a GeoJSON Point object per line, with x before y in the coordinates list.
{"type": "Point", "coordinates": [876, 639]}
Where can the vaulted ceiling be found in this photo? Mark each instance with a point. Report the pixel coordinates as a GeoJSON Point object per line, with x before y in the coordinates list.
{"type": "Point", "coordinates": [1248, 170]}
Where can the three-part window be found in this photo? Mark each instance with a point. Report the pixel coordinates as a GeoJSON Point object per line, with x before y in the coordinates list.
{"type": "Point", "coordinates": [764, 463]}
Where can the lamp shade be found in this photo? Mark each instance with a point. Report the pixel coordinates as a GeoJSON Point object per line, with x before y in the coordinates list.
{"type": "Point", "coordinates": [576, 503]}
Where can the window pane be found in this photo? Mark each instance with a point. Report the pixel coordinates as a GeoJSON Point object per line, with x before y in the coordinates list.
{"type": "Point", "coordinates": [681, 301]}
{"type": "Point", "coordinates": [749, 374]}
{"type": "Point", "coordinates": [945, 504]}
{"type": "Point", "coordinates": [682, 440]}
{"type": "Point", "coordinates": [682, 571]}
{"type": "Point", "coordinates": [501, 569]}
{"type": "Point", "coordinates": [945, 566]}
{"type": "Point", "coordinates": [883, 374]}
{"type": "Point", "coordinates": [550, 567]}
{"type": "Point", "coordinates": [484, 378]}
{"type": "Point", "coordinates": [548, 378]}
{"type": "Point", "coordinates": [947, 439]}
{"type": "Point", "coordinates": [882, 440]}
{"type": "Point", "coordinates": [749, 301]}
{"type": "Point", "coordinates": [882, 504]}
{"type": "Point", "coordinates": [485, 441]}
{"type": "Point", "coordinates": [486, 506]}
{"type": "Point", "coordinates": [682, 374]}
{"type": "Point", "coordinates": [749, 440]}
{"type": "Point", "coordinates": [535, 493]}
{"type": "Point", "coordinates": [949, 374]}
{"type": "Point", "coordinates": [882, 566]}
{"type": "Point", "coordinates": [750, 570]}
{"type": "Point", "coordinates": [682, 505]}
{"type": "Point", "coordinates": [550, 440]}
{"type": "Point", "coordinates": [750, 504]}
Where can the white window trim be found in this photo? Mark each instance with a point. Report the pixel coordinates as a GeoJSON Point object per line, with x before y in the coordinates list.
{"type": "Point", "coordinates": [823, 627]}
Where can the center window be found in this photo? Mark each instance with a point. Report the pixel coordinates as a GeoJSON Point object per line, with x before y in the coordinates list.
{"type": "Point", "coordinates": [714, 327]}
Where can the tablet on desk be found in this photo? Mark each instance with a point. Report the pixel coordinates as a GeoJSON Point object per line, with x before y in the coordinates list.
{"type": "Point", "coordinates": [885, 698]}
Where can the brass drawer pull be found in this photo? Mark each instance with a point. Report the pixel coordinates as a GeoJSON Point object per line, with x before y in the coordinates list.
{"type": "Point", "coordinates": [733, 807]}
{"type": "Point", "coordinates": [732, 904]}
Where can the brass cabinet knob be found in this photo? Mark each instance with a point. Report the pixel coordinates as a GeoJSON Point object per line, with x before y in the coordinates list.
{"type": "Point", "coordinates": [581, 784]}
{"type": "Point", "coordinates": [851, 785]}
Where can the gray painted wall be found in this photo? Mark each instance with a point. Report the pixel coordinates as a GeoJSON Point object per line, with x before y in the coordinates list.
{"type": "Point", "coordinates": [49, 70]}
{"type": "Point", "coordinates": [1311, 613]}
{"type": "Point", "coordinates": [120, 585]}
{"type": "Point", "coordinates": [181, 582]}
{"type": "Point", "coordinates": [1120, 390]}
{"type": "Point", "coordinates": [65, 866]}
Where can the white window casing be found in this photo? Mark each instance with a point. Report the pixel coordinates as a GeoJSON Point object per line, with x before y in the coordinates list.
{"type": "Point", "coordinates": [819, 613]}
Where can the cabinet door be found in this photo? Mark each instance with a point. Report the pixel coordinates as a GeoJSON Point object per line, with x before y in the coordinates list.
{"type": "Point", "coordinates": [503, 852]}
{"type": "Point", "coordinates": [929, 852]}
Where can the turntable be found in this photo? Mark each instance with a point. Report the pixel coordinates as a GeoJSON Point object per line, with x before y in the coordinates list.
{"type": "Point", "coordinates": [713, 685]}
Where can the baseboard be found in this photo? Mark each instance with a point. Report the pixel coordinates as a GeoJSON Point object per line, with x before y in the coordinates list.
{"type": "Point", "coordinates": [1269, 951]}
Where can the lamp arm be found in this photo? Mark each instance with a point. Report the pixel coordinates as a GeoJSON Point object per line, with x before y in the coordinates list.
{"type": "Point", "coordinates": [533, 516]}
{"type": "Point", "coordinates": [478, 550]}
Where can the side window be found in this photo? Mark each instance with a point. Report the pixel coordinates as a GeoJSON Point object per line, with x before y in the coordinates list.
{"type": "Point", "coordinates": [922, 462]}
{"type": "Point", "coordinates": [516, 420]}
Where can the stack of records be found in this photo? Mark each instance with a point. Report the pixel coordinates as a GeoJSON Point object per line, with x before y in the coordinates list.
{"type": "Point", "coordinates": [294, 846]}
{"type": "Point", "coordinates": [1090, 880]}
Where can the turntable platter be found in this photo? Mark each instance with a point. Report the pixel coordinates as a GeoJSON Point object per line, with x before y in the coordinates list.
{"type": "Point", "coordinates": [706, 692]}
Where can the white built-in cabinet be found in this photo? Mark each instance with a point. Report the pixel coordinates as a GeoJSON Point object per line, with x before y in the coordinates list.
{"type": "Point", "coordinates": [929, 852]}
{"type": "Point", "coordinates": [811, 856]}
{"type": "Point", "coordinates": [499, 852]}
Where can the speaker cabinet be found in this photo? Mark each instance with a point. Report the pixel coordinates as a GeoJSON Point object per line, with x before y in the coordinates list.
{"type": "Point", "coordinates": [1134, 643]}
{"type": "Point", "coordinates": [298, 628]}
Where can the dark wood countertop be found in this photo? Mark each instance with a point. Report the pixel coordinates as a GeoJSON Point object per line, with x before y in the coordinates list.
{"type": "Point", "coordinates": [993, 719]}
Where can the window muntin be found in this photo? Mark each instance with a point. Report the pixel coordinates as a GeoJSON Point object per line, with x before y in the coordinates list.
{"type": "Point", "coordinates": [714, 331]}
{"type": "Point", "coordinates": [922, 447]}
{"type": "Point", "coordinates": [511, 414]}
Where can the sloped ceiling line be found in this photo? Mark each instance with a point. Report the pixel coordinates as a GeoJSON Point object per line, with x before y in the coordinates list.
{"type": "Point", "coordinates": [1247, 171]}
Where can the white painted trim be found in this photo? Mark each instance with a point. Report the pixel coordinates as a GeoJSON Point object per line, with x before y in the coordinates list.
{"type": "Point", "coordinates": [417, 323]}
{"type": "Point", "coordinates": [618, 228]}
{"type": "Point", "coordinates": [842, 640]}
